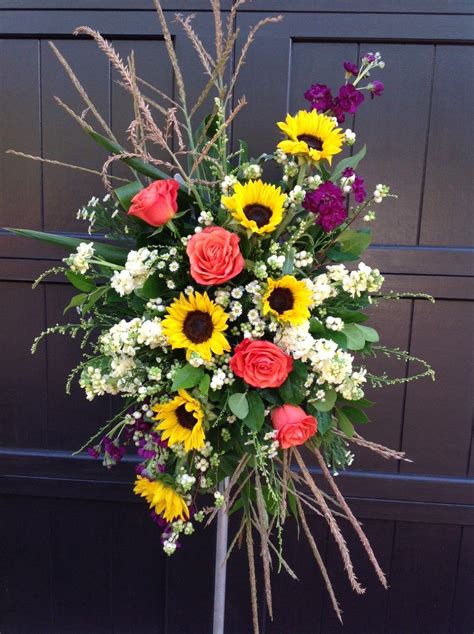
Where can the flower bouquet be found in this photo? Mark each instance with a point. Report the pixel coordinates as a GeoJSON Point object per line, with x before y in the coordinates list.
{"type": "Point", "coordinates": [226, 311]}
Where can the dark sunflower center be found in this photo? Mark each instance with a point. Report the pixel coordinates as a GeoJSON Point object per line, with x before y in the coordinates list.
{"type": "Point", "coordinates": [311, 141]}
{"type": "Point", "coordinates": [281, 299]}
{"type": "Point", "coordinates": [198, 326]}
{"type": "Point", "coordinates": [185, 418]}
{"type": "Point", "coordinates": [258, 213]}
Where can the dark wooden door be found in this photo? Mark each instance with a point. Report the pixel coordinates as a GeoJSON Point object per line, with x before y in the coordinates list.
{"type": "Point", "coordinates": [77, 553]}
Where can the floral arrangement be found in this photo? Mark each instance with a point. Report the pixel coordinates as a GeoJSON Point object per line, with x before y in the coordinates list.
{"type": "Point", "coordinates": [228, 312]}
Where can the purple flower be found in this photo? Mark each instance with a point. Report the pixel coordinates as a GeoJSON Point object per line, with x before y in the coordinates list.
{"type": "Point", "coordinates": [328, 204]}
{"type": "Point", "coordinates": [376, 88]}
{"type": "Point", "coordinates": [320, 97]}
{"type": "Point", "coordinates": [113, 451]}
{"type": "Point", "coordinates": [351, 69]}
{"type": "Point", "coordinates": [94, 452]}
{"type": "Point", "coordinates": [349, 98]}
{"type": "Point", "coordinates": [358, 189]}
{"type": "Point", "coordinates": [357, 184]}
{"type": "Point", "coordinates": [369, 58]}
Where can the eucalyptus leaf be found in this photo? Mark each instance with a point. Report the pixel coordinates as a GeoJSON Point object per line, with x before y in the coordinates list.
{"type": "Point", "coordinates": [238, 405]}
{"type": "Point", "coordinates": [370, 334]}
{"type": "Point", "coordinates": [355, 338]}
{"type": "Point", "coordinates": [326, 405]}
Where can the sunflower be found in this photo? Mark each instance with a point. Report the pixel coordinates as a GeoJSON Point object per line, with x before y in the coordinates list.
{"type": "Point", "coordinates": [181, 421]}
{"type": "Point", "coordinates": [162, 498]}
{"type": "Point", "coordinates": [312, 135]}
{"type": "Point", "coordinates": [287, 299]}
{"type": "Point", "coordinates": [196, 324]}
{"type": "Point", "coordinates": [256, 206]}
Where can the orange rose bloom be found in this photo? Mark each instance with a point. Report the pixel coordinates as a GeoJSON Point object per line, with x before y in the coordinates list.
{"type": "Point", "coordinates": [157, 203]}
{"type": "Point", "coordinates": [294, 425]}
{"type": "Point", "coordinates": [215, 256]}
{"type": "Point", "coordinates": [261, 363]}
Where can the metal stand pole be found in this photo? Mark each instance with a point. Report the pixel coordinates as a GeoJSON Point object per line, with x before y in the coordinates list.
{"type": "Point", "coordinates": [220, 573]}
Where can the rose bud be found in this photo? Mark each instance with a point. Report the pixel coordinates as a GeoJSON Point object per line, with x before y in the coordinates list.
{"type": "Point", "coordinates": [293, 425]}
{"type": "Point", "coordinates": [157, 203]}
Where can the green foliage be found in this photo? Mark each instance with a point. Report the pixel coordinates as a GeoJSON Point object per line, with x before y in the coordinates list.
{"type": "Point", "coordinates": [81, 282]}
{"type": "Point", "coordinates": [125, 193]}
{"type": "Point", "coordinates": [186, 377]}
{"type": "Point", "coordinates": [256, 414]}
{"type": "Point", "coordinates": [350, 245]}
{"type": "Point", "coordinates": [113, 254]}
{"type": "Point", "coordinates": [239, 405]}
{"type": "Point", "coordinates": [344, 423]}
{"type": "Point", "coordinates": [329, 401]}
{"type": "Point", "coordinates": [293, 390]}
{"type": "Point", "coordinates": [351, 161]}
{"type": "Point", "coordinates": [355, 415]}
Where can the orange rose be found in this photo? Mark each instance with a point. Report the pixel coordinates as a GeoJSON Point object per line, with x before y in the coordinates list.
{"type": "Point", "coordinates": [294, 426]}
{"type": "Point", "coordinates": [261, 363]}
{"type": "Point", "coordinates": [157, 203]}
{"type": "Point", "coordinates": [214, 256]}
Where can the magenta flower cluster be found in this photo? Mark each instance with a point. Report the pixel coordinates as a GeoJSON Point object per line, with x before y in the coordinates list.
{"type": "Point", "coordinates": [348, 99]}
{"type": "Point", "coordinates": [328, 204]}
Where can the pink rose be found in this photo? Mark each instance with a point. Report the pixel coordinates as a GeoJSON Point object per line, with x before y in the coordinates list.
{"type": "Point", "coordinates": [261, 363]}
{"type": "Point", "coordinates": [215, 256]}
{"type": "Point", "coordinates": [294, 425]}
{"type": "Point", "coordinates": [157, 203]}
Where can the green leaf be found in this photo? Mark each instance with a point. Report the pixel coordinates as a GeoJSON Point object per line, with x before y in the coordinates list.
{"type": "Point", "coordinates": [355, 415]}
{"type": "Point", "coordinates": [350, 161]}
{"type": "Point", "coordinates": [186, 377]}
{"type": "Point", "coordinates": [238, 405]}
{"type": "Point", "coordinates": [370, 334]}
{"type": "Point", "coordinates": [152, 288]}
{"type": "Point", "coordinates": [289, 263]}
{"type": "Point", "coordinates": [293, 390]}
{"type": "Point", "coordinates": [80, 281]}
{"type": "Point", "coordinates": [345, 424]}
{"type": "Point", "coordinates": [243, 152]}
{"type": "Point", "coordinates": [134, 163]}
{"type": "Point", "coordinates": [271, 396]}
{"type": "Point", "coordinates": [329, 401]}
{"type": "Point", "coordinates": [336, 254]}
{"type": "Point", "coordinates": [354, 242]}
{"type": "Point", "coordinates": [116, 255]}
{"type": "Point", "coordinates": [77, 300]}
{"type": "Point", "coordinates": [349, 316]}
{"type": "Point", "coordinates": [256, 415]}
{"type": "Point", "coordinates": [316, 327]}
{"type": "Point", "coordinates": [339, 337]}
{"type": "Point", "coordinates": [324, 422]}
{"type": "Point", "coordinates": [355, 338]}
{"type": "Point", "coordinates": [125, 193]}
{"type": "Point", "coordinates": [93, 298]}
{"type": "Point", "coordinates": [204, 384]}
